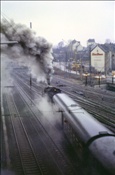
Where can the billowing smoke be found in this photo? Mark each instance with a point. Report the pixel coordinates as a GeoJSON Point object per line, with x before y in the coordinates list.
{"type": "Point", "coordinates": [5, 71]}
{"type": "Point", "coordinates": [6, 67]}
{"type": "Point", "coordinates": [51, 111]}
{"type": "Point", "coordinates": [34, 52]}
{"type": "Point", "coordinates": [31, 51]}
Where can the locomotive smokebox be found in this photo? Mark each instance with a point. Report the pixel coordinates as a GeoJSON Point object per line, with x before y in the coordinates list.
{"type": "Point", "coordinates": [51, 91]}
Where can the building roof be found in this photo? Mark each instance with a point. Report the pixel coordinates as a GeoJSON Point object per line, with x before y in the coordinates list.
{"type": "Point", "coordinates": [101, 46]}
{"type": "Point", "coordinates": [73, 41]}
{"type": "Point", "coordinates": [107, 47]}
{"type": "Point", "coordinates": [111, 46]}
{"type": "Point", "coordinates": [90, 40]}
{"type": "Point", "coordinates": [104, 48]}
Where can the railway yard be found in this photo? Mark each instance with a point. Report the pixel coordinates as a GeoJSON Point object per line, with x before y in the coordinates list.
{"type": "Point", "coordinates": [33, 141]}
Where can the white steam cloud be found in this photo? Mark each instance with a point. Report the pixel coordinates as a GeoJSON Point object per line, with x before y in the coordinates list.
{"type": "Point", "coordinates": [5, 71]}
{"type": "Point", "coordinates": [31, 51]}
{"type": "Point", "coordinates": [49, 110]}
{"type": "Point", "coordinates": [34, 52]}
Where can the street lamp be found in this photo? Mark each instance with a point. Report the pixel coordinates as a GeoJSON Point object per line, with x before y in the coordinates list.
{"type": "Point", "coordinates": [86, 75]}
{"type": "Point", "coordinates": [113, 77]}
{"type": "Point", "coordinates": [98, 78]}
{"type": "Point", "coordinates": [113, 66]}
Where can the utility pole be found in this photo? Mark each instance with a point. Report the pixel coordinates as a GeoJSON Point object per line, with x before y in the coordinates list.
{"type": "Point", "coordinates": [30, 72]}
{"type": "Point", "coordinates": [99, 78]}
{"type": "Point", "coordinates": [30, 25]}
{"type": "Point", "coordinates": [90, 63]}
{"type": "Point", "coordinates": [66, 57]}
{"type": "Point", "coordinates": [86, 78]}
{"type": "Point", "coordinates": [81, 70]}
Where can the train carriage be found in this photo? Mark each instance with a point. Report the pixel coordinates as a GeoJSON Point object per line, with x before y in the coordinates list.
{"type": "Point", "coordinates": [89, 137]}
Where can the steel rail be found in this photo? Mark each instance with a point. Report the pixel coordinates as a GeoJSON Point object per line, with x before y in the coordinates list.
{"type": "Point", "coordinates": [20, 144]}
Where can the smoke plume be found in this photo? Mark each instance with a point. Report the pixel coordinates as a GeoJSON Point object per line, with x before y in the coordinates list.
{"type": "Point", "coordinates": [31, 51]}
{"type": "Point", "coordinates": [34, 52]}
{"type": "Point", "coordinates": [50, 112]}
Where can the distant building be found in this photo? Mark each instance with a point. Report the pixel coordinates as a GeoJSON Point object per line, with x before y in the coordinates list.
{"type": "Point", "coordinates": [111, 55]}
{"type": "Point", "coordinates": [73, 48]}
{"type": "Point", "coordinates": [90, 42]}
{"type": "Point", "coordinates": [76, 46]}
{"type": "Point", "coordinates": [102, 58]}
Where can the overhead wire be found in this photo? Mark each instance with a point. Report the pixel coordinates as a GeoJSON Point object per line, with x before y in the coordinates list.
{"type": "Point", "coordinates": [5, 17]}
{"type": "Point", "coordinates": [8, 20]}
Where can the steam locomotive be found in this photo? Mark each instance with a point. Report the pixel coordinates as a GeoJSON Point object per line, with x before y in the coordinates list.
{"type": "Point", "coordinates": [89, 137]}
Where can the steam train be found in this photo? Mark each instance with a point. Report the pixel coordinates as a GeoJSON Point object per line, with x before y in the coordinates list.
{"type": "Point", "coordinates": [90, 138]}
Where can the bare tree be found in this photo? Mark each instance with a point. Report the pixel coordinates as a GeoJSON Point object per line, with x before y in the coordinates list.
{"type": "Point", "coordinates": [108, 41]}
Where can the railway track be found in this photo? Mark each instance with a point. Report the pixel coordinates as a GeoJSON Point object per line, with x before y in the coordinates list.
{"type": "Point", "coordinates": [25, 149]}
{"type": "Point", "coordinates": [34, 124]}
{"type": "Point", "coordinates": [101, 112]}
{"type": "Point", "coordinates": [52, 146]}
{"type": "Point", "coordinates": [102, 96]}
{"type": "Point", "coordinates": [38, 135]}
{"type": "Point", "coordinates": [106, 101]}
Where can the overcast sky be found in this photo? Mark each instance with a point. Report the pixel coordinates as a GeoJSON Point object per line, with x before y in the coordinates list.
{"type": "Point", "coordinates": [57, 20]}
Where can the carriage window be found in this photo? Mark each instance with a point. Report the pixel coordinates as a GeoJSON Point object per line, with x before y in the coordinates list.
{"type": "Point", "coordinates": [73, 105]}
